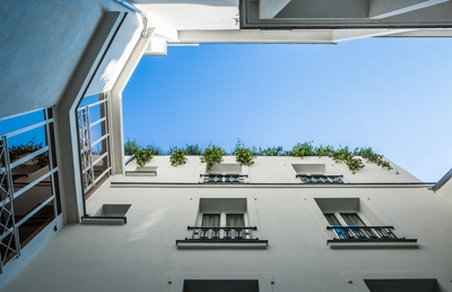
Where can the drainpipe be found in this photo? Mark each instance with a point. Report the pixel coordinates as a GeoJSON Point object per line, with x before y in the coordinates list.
{"type": "Point", "coordinates": [132, 7]}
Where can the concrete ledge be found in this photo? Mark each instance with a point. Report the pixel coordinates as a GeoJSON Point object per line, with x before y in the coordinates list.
{"type": "Point", "coordinates": [409, 243]}
{"type": "Point", "coordinates": [221, 244]}
{"type": "Point", "coordinates": [104, 220]}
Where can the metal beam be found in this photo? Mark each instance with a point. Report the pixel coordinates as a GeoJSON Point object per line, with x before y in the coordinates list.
{"type": "Point", "coordinates": [379, 9]}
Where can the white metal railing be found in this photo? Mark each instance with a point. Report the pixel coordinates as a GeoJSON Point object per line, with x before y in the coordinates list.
{"type": "Point", "coordinates": [87, 160]}
{"type": "Point", "coordinates": [9, 228]}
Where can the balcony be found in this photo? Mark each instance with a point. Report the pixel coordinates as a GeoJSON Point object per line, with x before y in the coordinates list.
{"type": "Point", "coordinates": [320, 179]}
{"type": "Point", "coordinates": [223, 178]}
{"type": "Point", "coordinates": [222, 237]}
{"type": "Point", "coordinates": [368, 236]}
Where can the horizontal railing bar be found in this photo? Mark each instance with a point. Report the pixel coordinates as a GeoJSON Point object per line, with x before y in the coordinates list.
{"type": "Point", "coordinates": [359, 227]}
{"type": "Point", "coordinates": [102, 175]}
{"type": "Point", "coordinates": [29, 156]}
{"type": "Point", "coordinates": [97, 122]}
{"type": "Point", "coordinates": [100, 158]}
{"type": "Point", "coordinates": [32, 184]}
{"type": "Point", "coordinates": [100, 140]}
{"type": "Point", "coordinates": [28, 128]}
{"type": "Point", "coordinates": [34, 211]}
{"type": "Point", "coordinates": [221, 228]}
{"type": "Point", "coordinates": [25, 113]}
{"type": "Point", "coordinates": [318, 175]}
{"type": "Point", "coordinates": [223, 175]}
{"type": "Point", "coordinates": [92, 104]}
{"type": "Point", "coordinates": [379, 239]}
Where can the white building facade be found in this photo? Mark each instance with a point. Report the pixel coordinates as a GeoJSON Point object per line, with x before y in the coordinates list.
{"type": "Point", "coordinates": [64, 65]}
{"type": "Point", "coordinates": [283, 224]}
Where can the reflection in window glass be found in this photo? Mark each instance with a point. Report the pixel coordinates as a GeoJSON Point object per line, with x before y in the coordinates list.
{"type": "Point", "coordinates": [30, 171]}
{"type": "Point", "coordinates": [21, 121]}
{"type": "Point", "coordinates": [26, 143]}
{"type": "Point", "coordinates": [32, 198]}
{"type": "Point", "coordinates": [35, 224]}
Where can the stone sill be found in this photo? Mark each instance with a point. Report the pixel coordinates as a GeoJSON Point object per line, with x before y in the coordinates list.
{"type": "Point", "coordinates": [221, 244]}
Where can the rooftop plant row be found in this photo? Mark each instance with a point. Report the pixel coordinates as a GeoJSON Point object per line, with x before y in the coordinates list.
{"type": "Point", "coordinates": [213, 154]}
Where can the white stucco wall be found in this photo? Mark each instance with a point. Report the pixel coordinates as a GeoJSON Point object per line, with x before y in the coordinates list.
{"type": "Point", "coordinates": [142, 255]}
{"type": "Point", "coordinates": [41, 43]}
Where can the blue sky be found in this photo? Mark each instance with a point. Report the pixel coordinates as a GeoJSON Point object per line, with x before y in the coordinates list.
{"type": "Point", "coordinates": [394, 95]}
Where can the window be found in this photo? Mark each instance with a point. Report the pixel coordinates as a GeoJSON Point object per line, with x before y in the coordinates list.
{"type": "Point", "coordinates": [403, 285]}
{"type": "Point", "coordinates": [222, 221]}
{"type": "Point", "coordinates": [351, 221]}
{"type": "Point", "coordinates": [315, 174]}
{"type": "Point", "coordinates": [224, 173]}
{"type": "Point", "coordinates": [94, 142]}
{"type": "Point", "coordinates": [221, 286]}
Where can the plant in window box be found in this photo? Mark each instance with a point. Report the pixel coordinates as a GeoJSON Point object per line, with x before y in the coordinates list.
{"type": "Point", "coordinates": [143, 156]}
{"type": "Point", "coordinates": [243, 155]}
{"type": "Point", "coordinates": [178, 156]}
{"type": "Point", "coordinates": [212, 155]}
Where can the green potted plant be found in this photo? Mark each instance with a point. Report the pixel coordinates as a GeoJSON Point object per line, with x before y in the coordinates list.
{"type": "Point", "coordinates": [212, 155]}
{"type": "Point", "coordinates": [178, 156]}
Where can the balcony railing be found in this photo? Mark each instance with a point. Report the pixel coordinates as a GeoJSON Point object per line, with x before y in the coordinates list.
{"type": "Point", "coordinates": [366, 234]}
{"type": "Point", "coordinates": [320, 179]}
{"type": "Point", "coordinates": [222, 237]}
{"type": "Point", "coordinates": [223, 178]}
{"type": "Point", "coordinates": [222, 233]}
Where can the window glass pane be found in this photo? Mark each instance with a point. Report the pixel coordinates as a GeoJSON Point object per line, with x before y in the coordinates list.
{"type": "Point", "coordinates": [235, 220]}
{"type": "Point", "coordinates": [332, 220]}
{"type": "Point", "coordinates": [32, 198]}
{"type": "Point", "coordinates": [352, 219]}
{"type": "Point", "coordinates": [22, 121]}
{"type": "Point", "coordinates": [35, 224]}
{"type": "Point", "coordinates": [30, 170]}
{"type": "Point", "coordinates": [101, 166]}
{"type": "Point", "coordinates": [210, 220]}
{"type": "Point", "coordinates": [97, 131]}
{"type": "Point", "coordinates": [26, 143]}
{"type": "Point", "coordinates": [89, 99]}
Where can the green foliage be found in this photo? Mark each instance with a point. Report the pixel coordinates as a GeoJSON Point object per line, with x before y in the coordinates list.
{"type": "Point", "coordinates": [372, 157]}
{"type": "Point", "coordinates": [177, 157]}
{"type": "Point", "coordinates": [130, 147]}
{"type": "Point", "coordinates": [243, 155]}
{"type": "Point", "coordinates": [271, 151]}
{"type": "Point", "coordinates": [16, 152]}
{"type": "Point", "coordinates": [212, 155]}
{"type": "Point", "coordinates": [193, 149]}
{"type": "Point", "coordinates": [302, 149]}
{"type": "Point", "coordinates": [321, 150]}
{"type": "Point", "coordinates": [346, 156]}
{"type": "Point", "coordinates": [143, 156]}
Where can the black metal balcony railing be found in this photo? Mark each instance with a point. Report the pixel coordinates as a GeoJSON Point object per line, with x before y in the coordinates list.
{"type": "Point", "coordinates": [320, 179]}
{"type": "Point", "coordinates": [222, 233]}
{"type": "Point", "coordinates": [223, 178]}
{"type": "Point", "coordinates": [366, 234]}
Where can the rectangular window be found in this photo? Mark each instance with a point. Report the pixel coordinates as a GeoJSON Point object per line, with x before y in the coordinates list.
{"type": "Point", "coordinates": [352, 219]}
{"type": "Point", "coordinates": [235, 220]}
{"type": "Point", "coordinates": [210, 220]}
{"type": "Point", "coordinates": [332, 219]}
{"type": "Point", "coordinates": [403, 285]}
